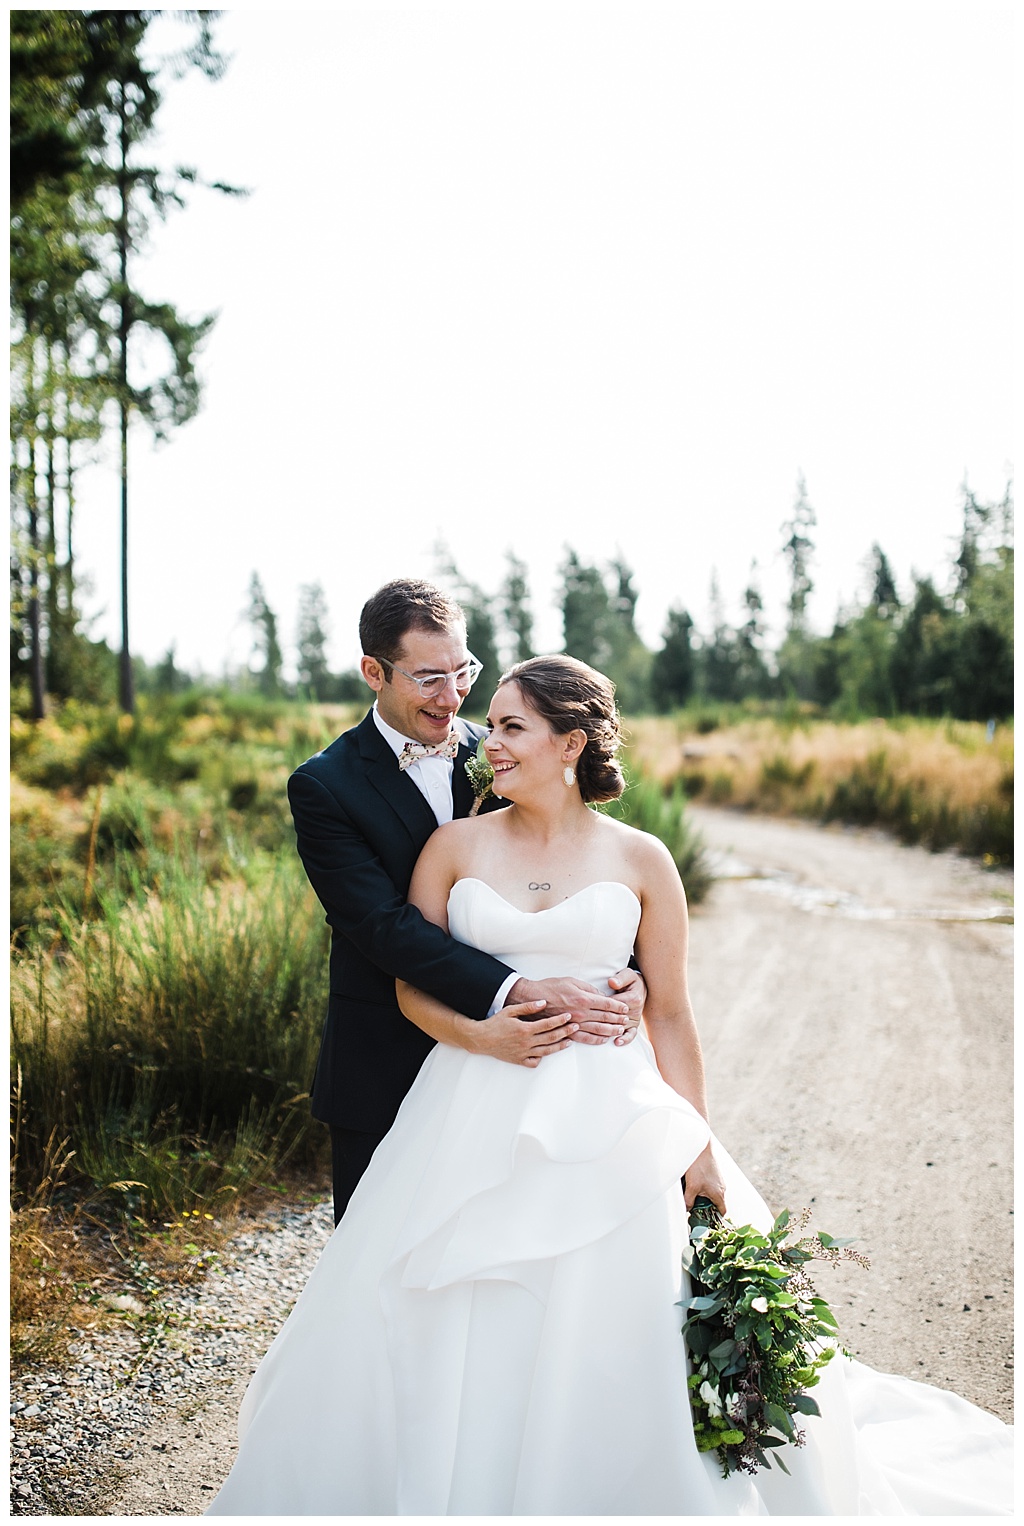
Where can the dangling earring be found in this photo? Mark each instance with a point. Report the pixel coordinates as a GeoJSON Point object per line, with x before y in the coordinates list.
{"type": "Point", "coordinates": [568, 776]}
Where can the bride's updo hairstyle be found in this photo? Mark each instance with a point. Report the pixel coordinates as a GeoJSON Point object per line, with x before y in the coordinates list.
{"type": "Point", "coordinates": [571, 696]}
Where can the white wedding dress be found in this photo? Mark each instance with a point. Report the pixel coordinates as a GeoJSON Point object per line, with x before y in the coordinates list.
{"type": "Point", "coordinates": [493, 1330]}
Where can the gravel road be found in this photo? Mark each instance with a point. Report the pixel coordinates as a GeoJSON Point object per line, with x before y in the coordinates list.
{"type": "Point", "coordinates": [855, 1004]}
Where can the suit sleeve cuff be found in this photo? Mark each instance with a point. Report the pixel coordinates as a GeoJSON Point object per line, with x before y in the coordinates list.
{"type": "Point", "coordinates": [501, 996]}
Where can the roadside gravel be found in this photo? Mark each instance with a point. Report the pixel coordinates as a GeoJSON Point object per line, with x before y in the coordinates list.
{"type": "Point", "coordinates": [142, 1421]}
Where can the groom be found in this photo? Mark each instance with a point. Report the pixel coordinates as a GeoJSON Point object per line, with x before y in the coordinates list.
{"type": "Point", "coordinates": [363, 809]}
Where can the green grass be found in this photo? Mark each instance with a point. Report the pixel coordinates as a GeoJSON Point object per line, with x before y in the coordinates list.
{"type": "Point", "coordinates": [171, 1037]}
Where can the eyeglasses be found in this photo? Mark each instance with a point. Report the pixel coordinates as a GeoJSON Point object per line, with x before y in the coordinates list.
{"type": "Point", "coordinates": [435, 683]}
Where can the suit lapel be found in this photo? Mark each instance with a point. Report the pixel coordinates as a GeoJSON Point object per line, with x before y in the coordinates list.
{"type": "Point", "coordinates": [401, 794]}
{"type": "Point", "coordinates": [462, 790]}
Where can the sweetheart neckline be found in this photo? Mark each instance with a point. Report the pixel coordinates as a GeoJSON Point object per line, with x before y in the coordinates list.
{"type": "Point", "coordinates": [472, 879]}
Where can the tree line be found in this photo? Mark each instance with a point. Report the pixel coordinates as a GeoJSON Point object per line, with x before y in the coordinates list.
{"type": "Point", "coordinates": [90, 352]}
{"type": "Point", "coordinates": [939, 651]}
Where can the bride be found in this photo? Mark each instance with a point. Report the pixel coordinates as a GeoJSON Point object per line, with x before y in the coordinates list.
{"type": "Point", "coordinates": [492, 1329]}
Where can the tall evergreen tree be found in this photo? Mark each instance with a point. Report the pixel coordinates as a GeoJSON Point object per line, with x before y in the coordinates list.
{"type": "Point", "coordinates": [515, 609]}
{"type": "Point", "coordinates": [752, 679]}
{"type": "Point", "coordinates": [719, 654]}
{"type": "Point", "coordinates": [982, 680]}
{"type": "Point", "coordinates": [83, 99]}
{"type": "Point", "coordinates": [798, 549]}
{"type": "Point", "coordinates": [311, 641]}
{"type": "Point", "coordinates": [584, 611]}
{"type": "Point", "coordinates": [796, 659]}
{"type": "Point", "coordinates": [481, 632]}
{"type": "Point", "coordinates": [127, 116]}
{"type": "Point", "coordinates": [673, 669]}
{"type": "Point", "coordinates": [922, 658]}
{"type": "Point", "coordinates": [884, 600]}
{"type": "Point", "coordinates": [629, 661]}
{"type": "Point", "coordinates": [266, 645]}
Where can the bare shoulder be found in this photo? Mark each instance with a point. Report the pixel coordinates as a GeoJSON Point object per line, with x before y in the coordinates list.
{"type": "Point", "coordinates": [651, 867]}
{"type": "Point", "coordinates": [643, 850]}
{"type": "Point", "coordinates": [456, 840]}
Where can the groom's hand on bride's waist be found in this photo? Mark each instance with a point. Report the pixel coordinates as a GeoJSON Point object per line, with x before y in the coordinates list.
{"type": "Point", "coordinates": [599, 1017]}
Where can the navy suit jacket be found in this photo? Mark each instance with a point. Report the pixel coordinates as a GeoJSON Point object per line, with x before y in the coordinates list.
{"type": "Point", "coordinates": [361, 824]}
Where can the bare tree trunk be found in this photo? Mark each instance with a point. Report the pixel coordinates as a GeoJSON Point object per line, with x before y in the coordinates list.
{"type": "Point", "coordinates": [34, 622]}
{"type": "Point", "coordinates": [69, 558]}
{"type": "Point", "coordinates": [52, 579]}
{"type": "Point", "coordinates": [127, 685]}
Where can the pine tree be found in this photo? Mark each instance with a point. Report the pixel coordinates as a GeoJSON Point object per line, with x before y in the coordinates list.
{"type": "Point", "coordinates": [311, 641]}
{"type": "Point", "coordinates": [481, 633]}
{"type": "Point", "coordinates": [266, 645]}
{"type": "Point", "coordinates": [796, 661]}
{"type": "Point", "coordinates": [673, 669]}
{"type": "Point", "coordinates": [797, 549]}
{"type": "Point", "coordinates": [752, 679]}
{"type": "Point", "coordinates": [82, 102]}
{"type": "Point", "coordinates": [629, 661]}
{"type": "Point", "coordinates": [884, 600]}
{"type": "Point", "coordinates": [584, 612]}
{"type": "Point", "coordinates": [515, 610]}
{"type": "Point", "coordinates": [719, 657]}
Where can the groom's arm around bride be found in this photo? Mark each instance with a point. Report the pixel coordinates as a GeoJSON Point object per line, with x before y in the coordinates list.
{"type": "Point", "coordinates": [362, 814]}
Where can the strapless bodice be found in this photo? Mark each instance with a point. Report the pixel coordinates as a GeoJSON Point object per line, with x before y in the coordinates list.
{"type": "Point", "coordinates": [589, 935]}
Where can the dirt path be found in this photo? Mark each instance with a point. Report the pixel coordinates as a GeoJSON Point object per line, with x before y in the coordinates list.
{"type": "Point", "coordinates": [858, 1044]}
{"type": "Point", "coordinates": [860, 1061]}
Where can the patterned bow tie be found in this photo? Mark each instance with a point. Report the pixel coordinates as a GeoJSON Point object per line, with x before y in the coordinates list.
{"type": "Point", "coordinates": [413, 751]}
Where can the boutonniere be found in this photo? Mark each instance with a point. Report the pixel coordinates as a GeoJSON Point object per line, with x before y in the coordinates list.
{"type": "Point", "coordinates": [481, 776]}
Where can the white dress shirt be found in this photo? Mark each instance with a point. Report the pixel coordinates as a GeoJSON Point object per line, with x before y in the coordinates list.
{"type": "Point", "coordinates": [433, 778]}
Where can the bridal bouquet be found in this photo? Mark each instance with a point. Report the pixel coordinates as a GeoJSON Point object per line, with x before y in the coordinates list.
{"type": "Point", "coordinates": [757, 1333]}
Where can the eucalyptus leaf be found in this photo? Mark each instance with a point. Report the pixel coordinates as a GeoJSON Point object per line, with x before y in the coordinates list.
{"type": "Point", "coordinates": [778, 1417]}
{"type": "Point", "coordinates": [699, 1339]}
{"type": "Point", "coordinates": [805, 1404]}
{"type": "Point", "coordinates": [725, 1351]}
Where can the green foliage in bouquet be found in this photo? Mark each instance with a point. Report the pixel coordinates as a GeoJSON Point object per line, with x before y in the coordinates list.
{"type": "Point", "coordinates": [480, 775]}
{"type": "Point", "coordinates": [758, 1334]}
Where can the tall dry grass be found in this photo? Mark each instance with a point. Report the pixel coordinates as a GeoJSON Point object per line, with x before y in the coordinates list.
{"type": "Point", "coordinates": [944, 784]}
{"type": "Point", "coordinates": [171, 1038]}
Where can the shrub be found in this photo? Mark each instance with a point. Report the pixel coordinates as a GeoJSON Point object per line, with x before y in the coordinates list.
{"type": "Point", "coordinates": [646, 805]}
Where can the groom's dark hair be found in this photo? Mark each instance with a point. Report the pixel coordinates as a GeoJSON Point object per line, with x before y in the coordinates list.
{"type": "Point", "coordinates": [403, 605]}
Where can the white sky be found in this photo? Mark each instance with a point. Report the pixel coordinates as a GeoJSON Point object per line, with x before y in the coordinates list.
{"type": "Point", "coordinates": [605, 275]}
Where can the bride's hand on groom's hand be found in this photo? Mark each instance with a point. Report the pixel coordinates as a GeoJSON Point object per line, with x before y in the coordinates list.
{"type": "Point", "coordinates": [523, 1034]}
